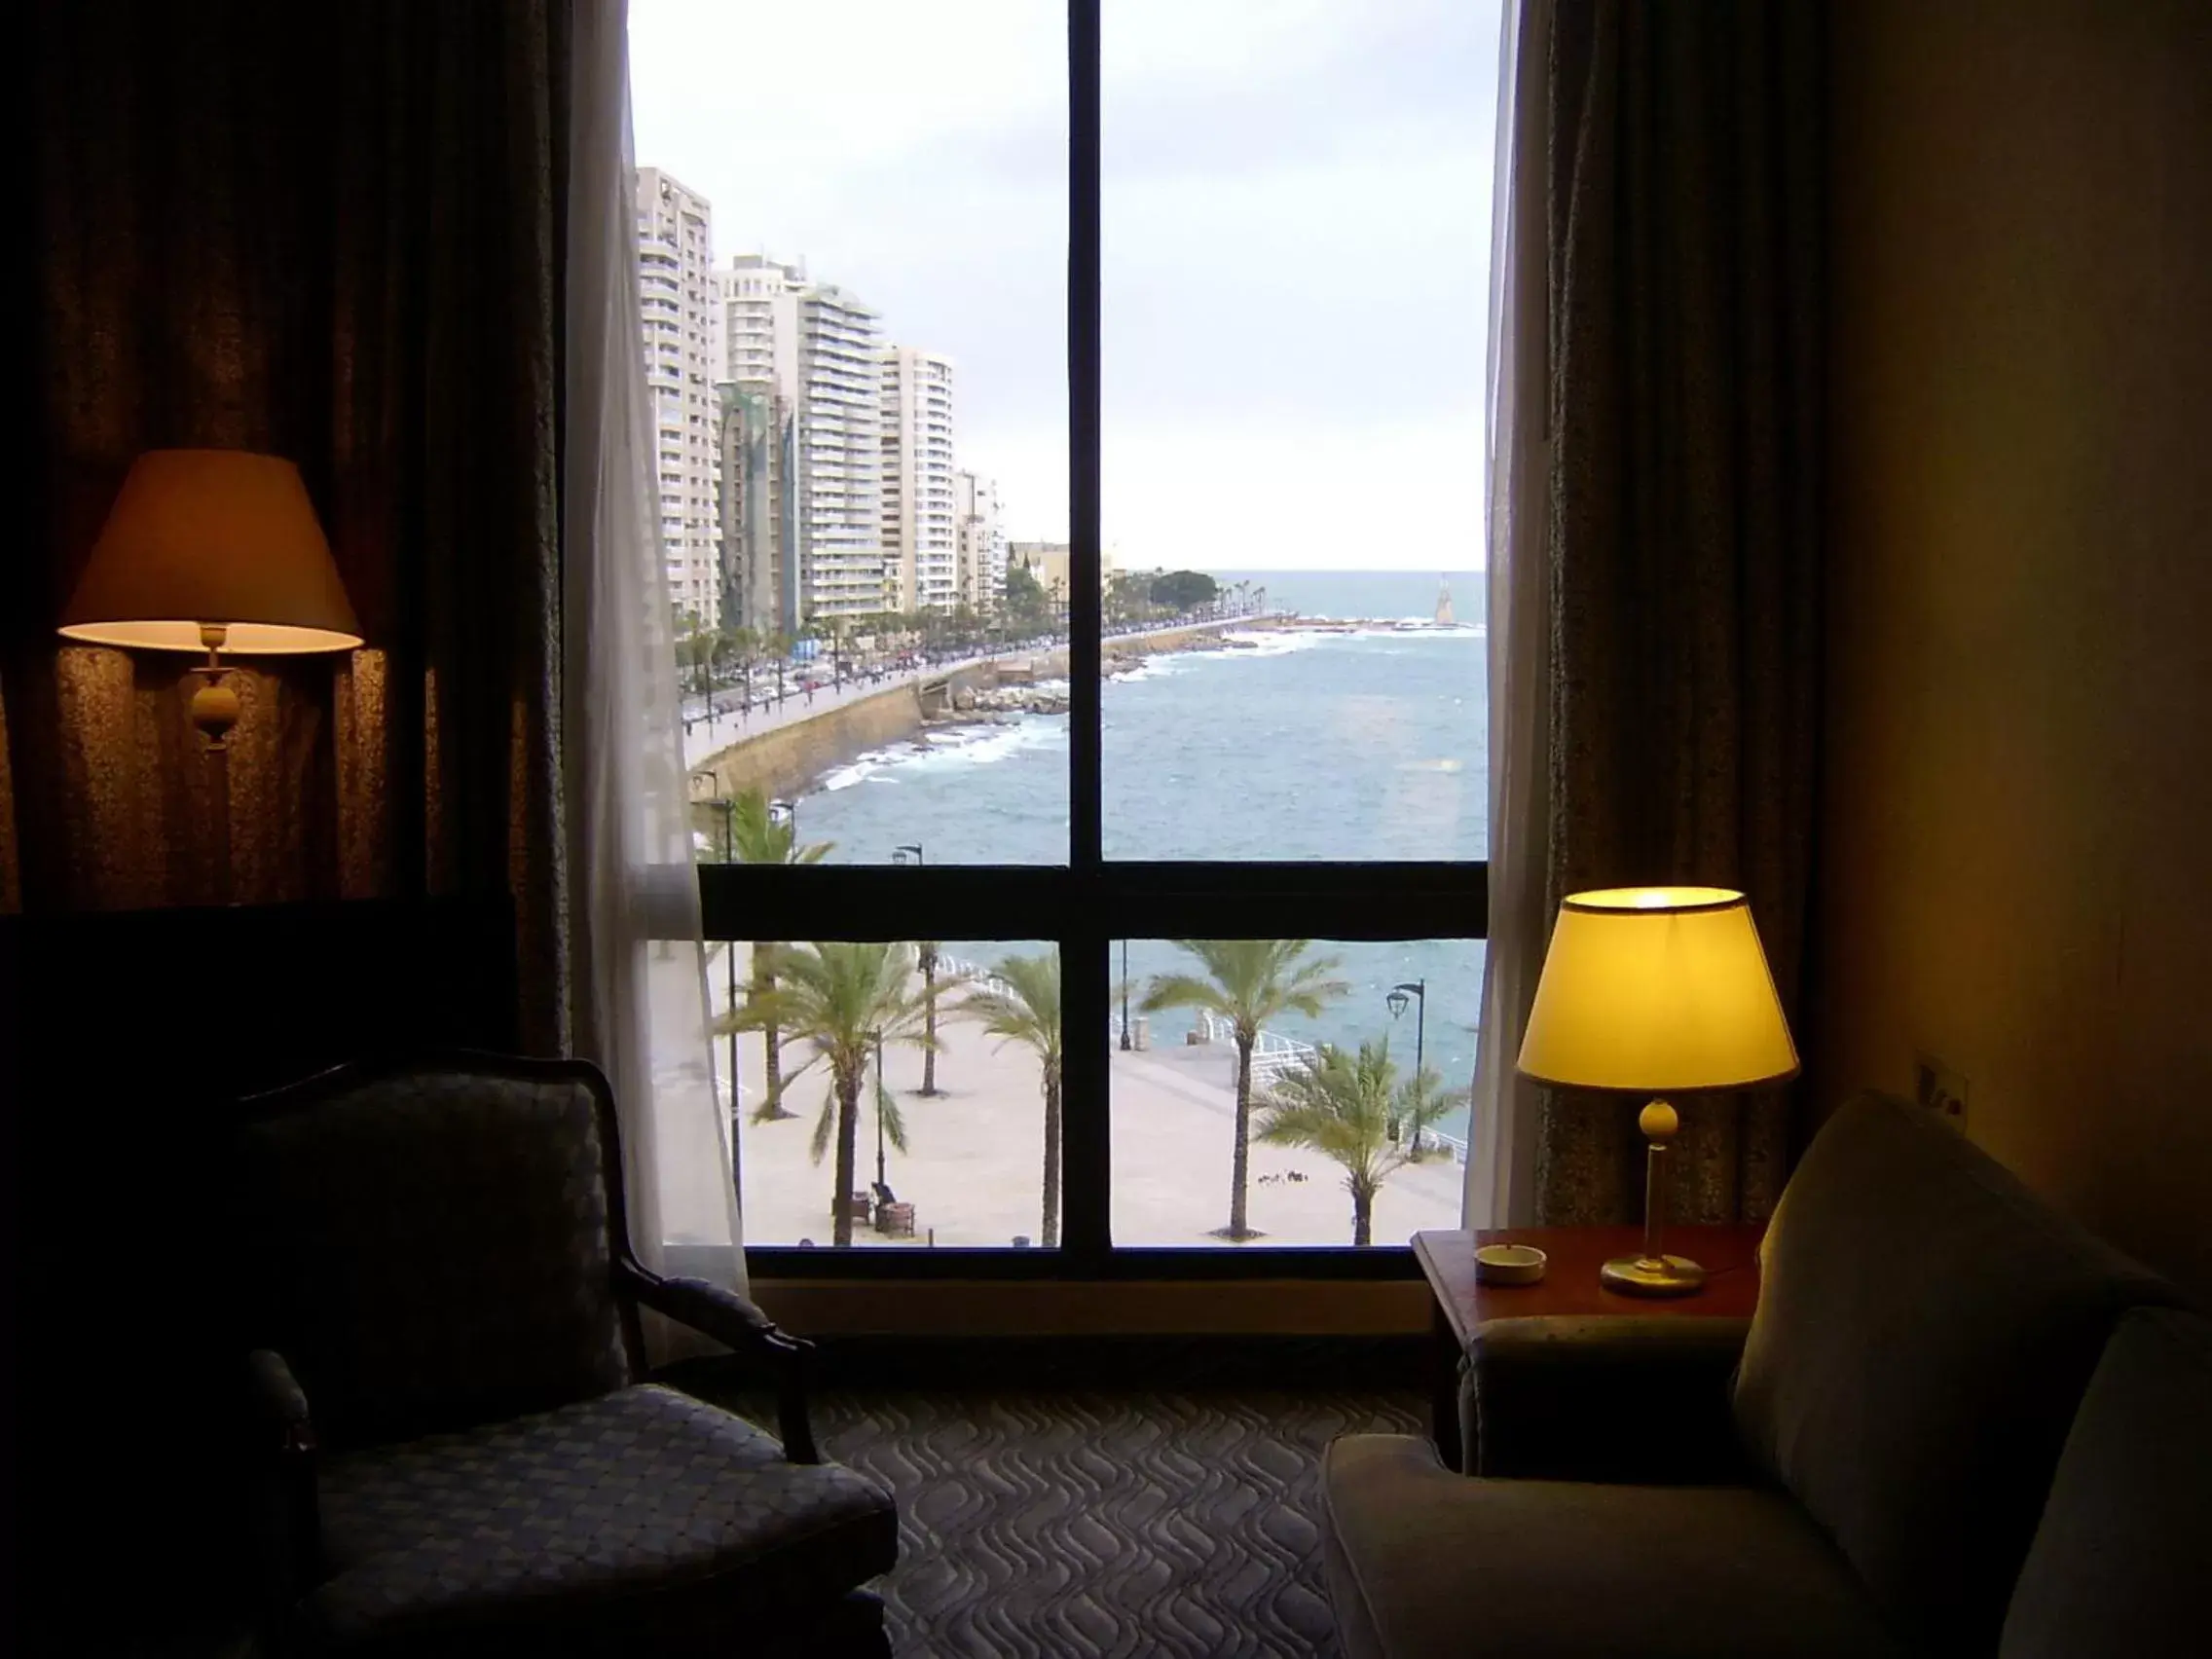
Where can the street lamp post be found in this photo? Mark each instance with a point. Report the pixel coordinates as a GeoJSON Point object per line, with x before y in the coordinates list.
{"type": "Point", "coordinates": [1124, 996]}
{"type": "Point", "coordinates": [1415, 990]}
{"type": "Point", "coordinates": [1400, 995]}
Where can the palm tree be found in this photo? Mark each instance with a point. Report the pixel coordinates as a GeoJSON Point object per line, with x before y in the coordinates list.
{"type": "Point", "coordinates": [926, 958]}
{"type": "Point", "coordinates": [1346, 1107]}
{"type": "Point", "coordinates": [841, 1000]}
{"type": "Point", "coordinates": [755, 837]}
{"type": "Point", "coordinates": [1028, 1011]}
{"type": "Point", "coordinates": [1250, 981]}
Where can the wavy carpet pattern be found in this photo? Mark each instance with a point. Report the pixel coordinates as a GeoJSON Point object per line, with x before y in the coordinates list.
{"type": "Point", "coordinates": [1064, 1524]}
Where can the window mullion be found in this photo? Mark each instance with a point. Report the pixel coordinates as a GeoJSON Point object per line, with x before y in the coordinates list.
{"type": "Point", "coordinates": [1085, 618]}
{"type": "Point", "coordinates": [1087, 1141]}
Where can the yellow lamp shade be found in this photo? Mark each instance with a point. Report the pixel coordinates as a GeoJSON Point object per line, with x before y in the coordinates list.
{"type": "Point", "coordinates": [200, 539]}
{"type": "Point", "coordinates": [1657, 990]}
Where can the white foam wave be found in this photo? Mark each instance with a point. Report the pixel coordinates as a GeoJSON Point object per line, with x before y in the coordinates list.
{"type": "Point", "coordinates": [945, 749]}
{"type": "Point", "coordinates": [1152, 668]}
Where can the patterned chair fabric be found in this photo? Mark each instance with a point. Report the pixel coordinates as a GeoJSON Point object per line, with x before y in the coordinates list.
{"type": "Point", "coordinates": [555, 1515]}
{"type": "Point", "coordinates": [460, 1453]}
{"type": "Point", "coordinates": [434, 1250]}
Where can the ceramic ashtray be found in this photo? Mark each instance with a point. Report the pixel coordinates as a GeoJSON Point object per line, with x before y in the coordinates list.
{"type": "Point", "coordinates": [1509, 1263]}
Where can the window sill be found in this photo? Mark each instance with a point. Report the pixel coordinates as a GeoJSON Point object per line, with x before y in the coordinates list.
{"type": "Point", "coordinates": [970, 1307]}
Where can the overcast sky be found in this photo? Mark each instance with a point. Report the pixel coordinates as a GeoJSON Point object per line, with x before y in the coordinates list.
{"type": "Point", "coordinates": [1297, 231]}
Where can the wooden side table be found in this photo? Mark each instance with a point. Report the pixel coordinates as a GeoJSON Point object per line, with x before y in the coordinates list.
{"type": "Point", "coordinates": [1459, 1303]}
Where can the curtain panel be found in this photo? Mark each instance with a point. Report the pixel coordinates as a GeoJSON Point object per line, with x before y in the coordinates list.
{"type": "Point", "coordinates": [639, 987]}
{"type": "Point", "coordinates": [1507, 1108]}
{"type": "Point", "coordinates": [1683, 537]}
{"type": "Point", "coordinates": [331, 234]}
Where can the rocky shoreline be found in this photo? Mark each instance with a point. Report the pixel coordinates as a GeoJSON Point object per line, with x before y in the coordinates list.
{"type": "Point", "coordinates": [997, 704]}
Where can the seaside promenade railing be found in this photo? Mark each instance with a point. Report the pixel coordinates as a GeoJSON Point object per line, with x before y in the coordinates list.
{"type": "Point", "coordinates": [969, 972]}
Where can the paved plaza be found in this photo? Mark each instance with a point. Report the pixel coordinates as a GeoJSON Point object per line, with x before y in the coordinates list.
{"type": "Point", "coordinates": [974, 1163]}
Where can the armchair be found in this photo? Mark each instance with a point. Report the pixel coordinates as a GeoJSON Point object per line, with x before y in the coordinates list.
{"type": "Point", "coordinates": [454, 1447]}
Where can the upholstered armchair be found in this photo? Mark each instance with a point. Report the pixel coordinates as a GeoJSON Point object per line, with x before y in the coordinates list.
{"type": "Point", "coordinates": [455, 1451]}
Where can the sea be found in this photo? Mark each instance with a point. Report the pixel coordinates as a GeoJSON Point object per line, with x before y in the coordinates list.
{"type": "Point", "coordinates": [1368, 742]}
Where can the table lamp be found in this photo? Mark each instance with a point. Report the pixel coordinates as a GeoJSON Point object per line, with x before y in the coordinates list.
{"type": "Point", "coordinates": [215, 551]}
{"type": "Point", "coordinates": [1656, 991]}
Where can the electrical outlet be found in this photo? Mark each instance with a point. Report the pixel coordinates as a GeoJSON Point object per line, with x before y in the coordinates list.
{"type": "Point", "coordinates": [1939, 1089]}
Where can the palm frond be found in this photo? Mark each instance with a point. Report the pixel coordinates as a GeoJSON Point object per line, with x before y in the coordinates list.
{"type": "Point", "coordinates": [1184, 990]}
{"type": "Point", "coordinates": [1343, 1105]}
{"type": "Point", "coordinates": [1250, 981]}
{"type": "Point", "coordinates": [1027, 1011]}
{"type": "Point", "coordinates": [824, 1126]}
{"type": "Point", "coordinates": [894, 1121]}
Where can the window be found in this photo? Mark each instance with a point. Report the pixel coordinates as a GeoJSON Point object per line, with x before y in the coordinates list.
{"type": "Point", "coordinates": [1131, 627]}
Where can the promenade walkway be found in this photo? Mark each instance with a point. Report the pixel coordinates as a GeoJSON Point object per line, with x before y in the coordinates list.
{"type": "Point", "coordinates": [705, 736]}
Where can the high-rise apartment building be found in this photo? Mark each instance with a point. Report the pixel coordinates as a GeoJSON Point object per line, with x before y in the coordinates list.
{"type": "Point", "coordinates": [980, 543]}
{"type": "Point", "coordinates": [822, 350]}
{"type": "Point", "coordinates": [760, 588]}
{"type": "Point", "coordinates": [675, 294]}
{"type": "Point", "coordinates": [920, 530]}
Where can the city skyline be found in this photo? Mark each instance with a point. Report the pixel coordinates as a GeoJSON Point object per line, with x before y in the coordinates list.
{"type": "Point", "coordinates": [1272, 180]}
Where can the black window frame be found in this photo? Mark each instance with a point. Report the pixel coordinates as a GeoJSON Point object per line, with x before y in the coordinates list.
{"type": "Point", "coordinates": [1090, 902]}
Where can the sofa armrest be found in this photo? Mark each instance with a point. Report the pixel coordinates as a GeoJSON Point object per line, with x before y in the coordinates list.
{"type": "Point", "coordinates": [287, 1518]}
{"type": "Point", "coordinates": [735, 1323]}
{"type": "Point", "coordinates": [1629, 1399]}
{"type": "Point", "coordinates": [282, 1421]}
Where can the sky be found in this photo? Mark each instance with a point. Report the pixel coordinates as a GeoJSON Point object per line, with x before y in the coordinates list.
{"type": "Point", "coordinates": [1296, 211]}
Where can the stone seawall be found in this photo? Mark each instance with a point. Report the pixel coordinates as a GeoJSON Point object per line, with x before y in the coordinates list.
{"type": "Point", "coordinates": [794, 758]}
{"type": "Point", "coordinates": [790, 761]}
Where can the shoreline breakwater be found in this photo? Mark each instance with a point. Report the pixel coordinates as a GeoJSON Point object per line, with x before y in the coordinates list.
{"type": "Point", "coordinates": [794, 758]}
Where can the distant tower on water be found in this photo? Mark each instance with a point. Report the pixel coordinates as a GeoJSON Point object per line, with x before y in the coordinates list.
{"type": "Point", "coordinates": [1444, 602]}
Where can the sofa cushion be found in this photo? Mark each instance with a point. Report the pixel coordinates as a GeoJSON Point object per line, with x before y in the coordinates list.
{"type": "Point", "coordinates": [1423, 1563]}
{"type": "Point", "coordinates": [1924, 1333]}
{"type": "Point", "coordinates": [564, 1514]}
{"type": "Point", "coordinates": [2118, 1564]}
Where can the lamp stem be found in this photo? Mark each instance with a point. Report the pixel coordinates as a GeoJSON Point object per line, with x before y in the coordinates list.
{"type": "Point", "coordinates": [1654, 1198]}
{"type": "Point", "coordinates": [215, 710]}
{"type": "Point", "coordinates": [1653, 1274]}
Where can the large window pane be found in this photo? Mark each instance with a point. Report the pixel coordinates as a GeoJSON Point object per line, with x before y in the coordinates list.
{"type": "Point", "coordinates": [949, 1114]}
{"type": "Point", "coordinates": [852, 262]}
{"type": "Point", "coordinates": [1296, 224]}
{"type": "Point", "coordinates": [1319, 1126]}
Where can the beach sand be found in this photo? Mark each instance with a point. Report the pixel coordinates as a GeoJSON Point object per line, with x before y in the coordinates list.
{"type": "Point", "coordinates": [975, 1165]}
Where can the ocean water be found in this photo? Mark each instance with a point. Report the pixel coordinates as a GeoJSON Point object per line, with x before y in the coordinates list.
{"type": "Point", "coordinates": [1367, 743]}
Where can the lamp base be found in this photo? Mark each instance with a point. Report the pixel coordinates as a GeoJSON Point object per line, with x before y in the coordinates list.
{"type": "Point", "coordinates": [1652, 1275]}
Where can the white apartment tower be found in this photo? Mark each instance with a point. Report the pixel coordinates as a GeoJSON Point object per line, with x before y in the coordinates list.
{"type": "Point", "coordinates": [980, 543]}
{"type": "Point", "coordinates": [920, 512]}
{"type": "Point", "coordinates": [822, 350]}
{"type": "Point", "coordinates": [676, 296]}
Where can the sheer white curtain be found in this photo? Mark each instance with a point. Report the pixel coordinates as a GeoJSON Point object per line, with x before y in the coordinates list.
{"type": "Point", "coordinates": [642, 1008]}
{"type": "Point", "coordinates": [1501, 1145]}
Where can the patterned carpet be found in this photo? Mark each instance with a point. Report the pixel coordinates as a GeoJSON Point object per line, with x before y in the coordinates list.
{"type": "Point", "coordinates": [1063, 1523]}
{"type": "Point", "coordinates": [1077, 1524]}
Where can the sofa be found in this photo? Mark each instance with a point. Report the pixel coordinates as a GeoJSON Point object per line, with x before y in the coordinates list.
{"type": "Point", "coordinates": [1957, 1424]}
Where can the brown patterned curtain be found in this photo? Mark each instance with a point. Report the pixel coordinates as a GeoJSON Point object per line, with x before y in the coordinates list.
{"type": "Point", "coordinates": [1684, 188]}
{"type": "Point", "coordinates": [329, 232]}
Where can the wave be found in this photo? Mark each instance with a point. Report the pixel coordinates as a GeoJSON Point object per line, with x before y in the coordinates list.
{"type": "Point", "coordinates": [1153, 668]}
{"type": "Point", "coordinates": [946, 749]}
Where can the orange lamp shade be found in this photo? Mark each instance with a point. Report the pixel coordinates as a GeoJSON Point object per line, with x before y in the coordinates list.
{"type": "Point", "coordinates": [212, 539]}
{"type": "Point", "coordinates": [1657, 990]}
